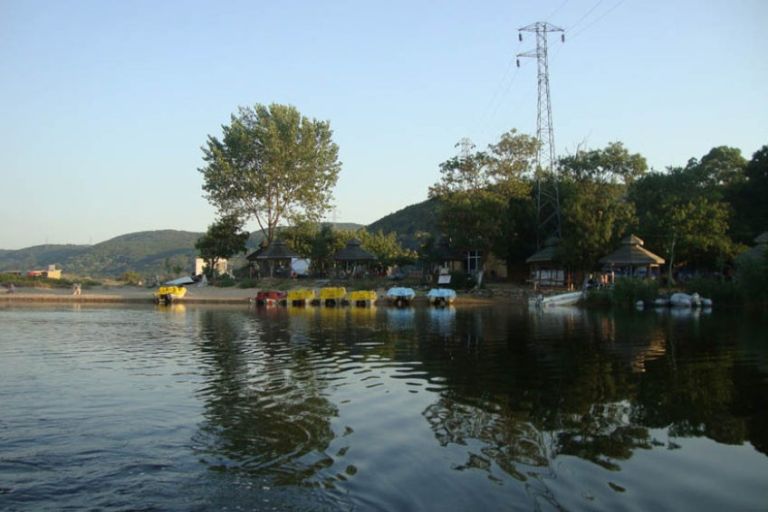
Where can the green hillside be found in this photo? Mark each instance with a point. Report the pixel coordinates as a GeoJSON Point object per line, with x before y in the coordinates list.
{"type": "Point", "coordinates": [162, 253]}
{"type": "Point", "coordinates": [408, 222]}
{"type": "Point", "coordinates": [38, 257]}
{"type": "Point", "coordinates": [148, 253]}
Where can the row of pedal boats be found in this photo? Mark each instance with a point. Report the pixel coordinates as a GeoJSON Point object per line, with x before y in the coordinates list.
{"type": "Point", "coordinates": [339, 296]}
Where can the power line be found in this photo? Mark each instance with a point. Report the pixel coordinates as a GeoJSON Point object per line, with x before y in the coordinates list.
{"type": "Point", "coordinates": [597, 4]}
{"type": "Point", "coordinates": [596, 20]}
{"type": "Point", "coordinates": [556, 10]}
{"type": "Point", "coordinates": [547, 194]}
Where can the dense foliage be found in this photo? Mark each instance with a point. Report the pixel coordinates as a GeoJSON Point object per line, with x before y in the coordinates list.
{"type": "Point", "coordinates": [475, 189]}
{"type": "Point", "coordinates": [273, 165]}
{"type": "Point", "coordinates": [224, 239]}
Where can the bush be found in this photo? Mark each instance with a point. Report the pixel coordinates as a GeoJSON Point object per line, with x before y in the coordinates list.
{"type": "Point", "coordinates": [248, 283]}
{"type": "Point", "coordinates": [131, 278]}
{"type": "Point", "coordinates": [721, 292]}
{"type": "Point", "coordinates": [752, 279]}
{"type": "Point", "coordinates": [599, 297]}
{"type": "Point", "coordinates": [625, 293]}
{"type": "Point", "coordinates": [225, 282]}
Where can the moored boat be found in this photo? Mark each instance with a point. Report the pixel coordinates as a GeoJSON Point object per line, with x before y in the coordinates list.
{"type": "Point", "coordinates": [168, 294]}
{"type": "Point", "coordinates": [400, 296]}
{"type": "Point", "coordinates": [561, 299]}
{"type": "Point", "coordinates": [300, 297]}
{"type": "Point", "coordinates": [270, 297]}
{"type": "Point", "coordinates": [332, 296]}
{"type": "Point", "coordinates": [441, 296]}
{"type": "Point", "coordinates": [362, 298]}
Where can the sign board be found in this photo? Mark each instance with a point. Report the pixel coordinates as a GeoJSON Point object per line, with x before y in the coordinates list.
{"type": "Point", "coordinates": [444, 279]}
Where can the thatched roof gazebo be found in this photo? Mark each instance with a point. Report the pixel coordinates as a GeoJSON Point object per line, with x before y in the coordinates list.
{"type": "Point", "coordinates": [759, 250]}
{"type": "Point", "coordinates": [546, 270]}
{"type": "Point", "coordinates": [353, 255]}
{"type": "Point", "coordinates": [277, 254]}
{"type": "Point", "coordinates": [631, 257]}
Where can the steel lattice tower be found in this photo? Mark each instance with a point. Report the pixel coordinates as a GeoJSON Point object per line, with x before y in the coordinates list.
{"type": "Point", "coordinates": [547, 195]}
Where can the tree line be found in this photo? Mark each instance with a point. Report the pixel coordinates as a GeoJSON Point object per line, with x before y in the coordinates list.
{"type": "Point", "coordinates": [275, 166]}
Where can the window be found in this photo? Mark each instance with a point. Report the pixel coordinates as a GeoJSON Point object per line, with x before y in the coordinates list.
{"type": "Point", "coordinates": [474, 261]}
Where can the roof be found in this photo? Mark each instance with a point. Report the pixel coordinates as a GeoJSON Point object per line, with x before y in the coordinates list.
{"type": "Point", "coordinates": [277, 250]}
{"type": "Point", "coordinates": [547, 254]}
{"type": "Point", "coordinates": [632, 252]}
{"type": "Point", "coordinates": [762, 238]}
{"type": "Point", "coordinates": [353, 252]}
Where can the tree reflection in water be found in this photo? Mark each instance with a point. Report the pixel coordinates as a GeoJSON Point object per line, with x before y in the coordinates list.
{"type": "Point", "coordinates": [508, 394]}
{"type": "Point", "coordinates": [590, 385]}
{"type": "Point", "coordinates": [264, 406]}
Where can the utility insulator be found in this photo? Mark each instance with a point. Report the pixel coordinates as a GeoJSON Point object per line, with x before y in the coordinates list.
{"type": "Point", "coordinates": [520, 36]}
{"type": "Point", "coordinates": [562, 37]}
{"type": "Point", "coordinates": [518, 62]}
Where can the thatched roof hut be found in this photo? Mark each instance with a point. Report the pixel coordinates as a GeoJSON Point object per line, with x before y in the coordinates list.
{"type": "Point", "coordinates": [277, 250]}
{"type": "Point", "coordinates": [547, 254]}
{"type": "Point", "coordinates": [276, 254]}
{"type": "Point", "coordinates": [353, 253]}
{"type": "Point", "coordinates": [632, 254]}
{"type": "Point", "coordinates": [760, 248]}
{"type": "Point", "coordinates": [546, 270]}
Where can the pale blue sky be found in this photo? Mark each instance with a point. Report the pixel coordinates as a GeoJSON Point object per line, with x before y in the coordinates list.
{"type": "Point", "coordinates": [104, 104]}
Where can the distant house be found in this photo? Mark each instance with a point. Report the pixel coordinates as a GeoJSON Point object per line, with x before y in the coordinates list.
{"type": "Point", "coordinates": [51, 273]}
{"type": "Point", "coordinates": [221, 266]}
{"type": "Point", "coordinates": [449, 259]}
{"type": "Point", "coordinates": [546, 269]}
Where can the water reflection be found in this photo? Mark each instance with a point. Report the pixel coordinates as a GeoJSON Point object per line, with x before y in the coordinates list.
{"type": "Point", "coordinates": [508, 393]}
{"type": "Point", "coordinates": [265, 412]}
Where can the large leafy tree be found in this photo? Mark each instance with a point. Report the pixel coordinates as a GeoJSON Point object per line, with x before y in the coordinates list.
{"type": "Point", "coordinates": [475, 191]}
{"type": "Point", "coordinates": [224, 239]}
{"type": "Point", "coordinates": [748, 198]}
{"type": "Point", "coordinates": [596, 212]}
{"type": "Point", "coordinates": [681, 216]}
{"type": "Point", "coordinates": [271, 164]}
{"type": "Point", "coordinates": [612, 164]}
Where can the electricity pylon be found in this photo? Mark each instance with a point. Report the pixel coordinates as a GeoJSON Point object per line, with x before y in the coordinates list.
{"type": "Point", "coordinates": [547, 195]}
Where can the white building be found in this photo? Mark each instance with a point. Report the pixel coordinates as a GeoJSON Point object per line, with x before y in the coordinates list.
{"type": "Point", "coordinates": [200, 264]}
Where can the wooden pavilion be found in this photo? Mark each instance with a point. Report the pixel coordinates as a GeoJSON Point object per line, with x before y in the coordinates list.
{"type": "Point", "coordinates": [632, 260]}
{"type": "Point", "coordinates": [276, 256]}
{"type": "Point", "coordinates": [354, 257]}
{"type": "Point", "coordinates": [546, 269]}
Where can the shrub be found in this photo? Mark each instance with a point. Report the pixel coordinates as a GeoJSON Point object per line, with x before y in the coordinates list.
{"type": "Point", "coordinates": [627, 291]}
{"type": "Point", "coordinates": [599, 297]}
{"type": "Point", "coordinates": [225, 281]}
{"type": "Point", "coordinates": [752, 279]}
{"type": "Point", "coordinates": [248, 283]}
{"type": "Point", "coordinates": [721, 292]}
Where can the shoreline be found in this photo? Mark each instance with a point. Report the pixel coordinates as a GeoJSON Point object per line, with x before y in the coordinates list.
{"type": "Point", "coordinates": [203, 295]}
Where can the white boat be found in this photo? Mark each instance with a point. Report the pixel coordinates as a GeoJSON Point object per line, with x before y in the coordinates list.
{"type": "Point", "coordinates": [400, 296]}
{"type": "Point", "coordinates": [694, 300]}
{"type": "Point", "coordinates": [441, 296]}
{"type": "Point", "coordinates": [561, 299]}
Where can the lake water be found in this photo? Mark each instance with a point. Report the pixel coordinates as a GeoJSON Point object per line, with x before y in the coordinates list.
{"type": "Point", "coordinates": [488, 408]}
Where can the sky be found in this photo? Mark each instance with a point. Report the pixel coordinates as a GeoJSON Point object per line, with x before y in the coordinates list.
{"type": "Point", "coordinates": [104, 105]}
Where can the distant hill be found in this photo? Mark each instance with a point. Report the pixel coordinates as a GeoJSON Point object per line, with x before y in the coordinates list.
{"type": "Point", "coordinates": [147, 252]}
{"type": "Point", "coordinates": [408, 222]}
{"type": "Point", "coordinates": [39, 256]}
{"type": "Point", "coordinates": [162, 253]}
